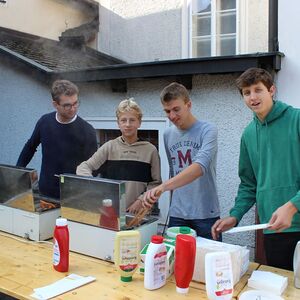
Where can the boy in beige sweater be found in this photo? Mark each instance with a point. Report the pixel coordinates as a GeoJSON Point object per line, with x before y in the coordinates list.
{"type": "Point", "coordinates": [127, 157]}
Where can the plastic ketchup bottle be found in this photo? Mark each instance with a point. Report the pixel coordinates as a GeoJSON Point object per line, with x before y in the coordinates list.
{"type": "Point", "coordinates": [61, 246]}
{"type": "Point", "coordinates": [185, 252]}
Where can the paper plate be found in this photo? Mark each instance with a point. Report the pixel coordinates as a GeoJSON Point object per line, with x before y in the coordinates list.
{"type": "Point", "coordinates": [257, 294]}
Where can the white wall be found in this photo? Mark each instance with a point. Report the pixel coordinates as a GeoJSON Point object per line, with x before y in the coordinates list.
{"type": "Point", "coordinates": [45, 18]}
{"type": "Point", "coordinates": [138, 31]}
{"type": "Point", "coordinates": [254, 26]}
{"type": "Point", "coordinates": [288, 77]}
{"type": "Point", "coordinates": [23, 101]}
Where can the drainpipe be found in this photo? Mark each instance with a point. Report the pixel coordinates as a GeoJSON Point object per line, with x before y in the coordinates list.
{"type": "Point", "coordinates": [273, 26]}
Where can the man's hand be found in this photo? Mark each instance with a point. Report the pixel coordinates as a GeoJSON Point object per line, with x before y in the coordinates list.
{"type": "Point", "coordinates": [282, 217]}
{"type": "Point", "coordinates": [222, 225]}
{"type": "Point", "coordinates": [151, 196]}
{"type": "Point", "coordinates": [135, 207]}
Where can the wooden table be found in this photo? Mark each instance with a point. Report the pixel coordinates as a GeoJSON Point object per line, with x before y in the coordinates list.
{"type": "Point", "coordinates": [291, 293]}
{"type": "Point", "coordinates": [25, 265]}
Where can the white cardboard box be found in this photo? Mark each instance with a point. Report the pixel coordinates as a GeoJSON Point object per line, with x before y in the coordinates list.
{"type": "Point", "coordinates": [239, 258]}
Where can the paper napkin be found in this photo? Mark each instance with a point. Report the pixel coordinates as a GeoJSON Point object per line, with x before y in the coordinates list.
{"type": "Point", "coordinates": [61, 286]}
{"type": "Point", "coordinates": [268, 281]}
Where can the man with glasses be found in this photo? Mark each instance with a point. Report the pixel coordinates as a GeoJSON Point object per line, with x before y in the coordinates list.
{"type": "Point", "coordinates": [66, 139]}
{"type": "Point", "coordinates": [191, 147]}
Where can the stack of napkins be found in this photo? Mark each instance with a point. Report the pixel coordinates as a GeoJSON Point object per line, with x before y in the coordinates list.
{"type": "Point", "coordinates": [61, 286]}
{"type": "Point", "coordinates": [268, 281]}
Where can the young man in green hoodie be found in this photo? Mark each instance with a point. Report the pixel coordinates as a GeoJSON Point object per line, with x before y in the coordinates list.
{"type": "Point", "coordinates": [269, 169]}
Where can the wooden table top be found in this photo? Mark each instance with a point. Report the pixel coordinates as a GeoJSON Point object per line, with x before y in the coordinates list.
{"type": "Point", "coordinates": [26, 265]}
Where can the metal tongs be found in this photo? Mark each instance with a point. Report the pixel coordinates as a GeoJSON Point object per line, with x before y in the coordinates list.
{"type": "Point", "coordinates": [140, 215]}
{"type": "Point", "coordinates": [248, 228]}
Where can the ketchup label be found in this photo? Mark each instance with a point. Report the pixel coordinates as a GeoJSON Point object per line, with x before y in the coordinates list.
{"type": "Point", "coordinates": [56, 253]}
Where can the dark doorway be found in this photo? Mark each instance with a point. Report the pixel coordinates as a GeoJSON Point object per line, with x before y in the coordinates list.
{"type": "Point", "coordinates": [105, 135]}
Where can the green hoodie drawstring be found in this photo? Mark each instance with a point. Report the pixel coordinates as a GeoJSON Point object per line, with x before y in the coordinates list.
{"type": "Point", "coordinates": [257, 139]}
{"type": "Point", "coordinates": [268, 137]}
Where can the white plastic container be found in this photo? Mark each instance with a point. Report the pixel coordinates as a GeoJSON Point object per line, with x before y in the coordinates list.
{"type": "Point", "coordinates": [218, 276]}
{"type": "Point", "coordinates": [155, 273]}
{"type": "Point", "coordinates": [296, 265]}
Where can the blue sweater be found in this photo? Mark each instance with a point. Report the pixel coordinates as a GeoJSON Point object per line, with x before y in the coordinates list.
{"type": "Point", "coordinates": [64, 147]}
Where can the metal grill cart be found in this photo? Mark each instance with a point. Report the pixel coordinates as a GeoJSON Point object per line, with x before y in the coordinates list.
{"type": "Point", "coordinates": [23, 211]}
{"type": "Point", "coordinates": [96, 210]}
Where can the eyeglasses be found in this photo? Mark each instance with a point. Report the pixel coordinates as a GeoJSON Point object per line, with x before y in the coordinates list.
{"type": "Point", "coordinates": [68, 106]}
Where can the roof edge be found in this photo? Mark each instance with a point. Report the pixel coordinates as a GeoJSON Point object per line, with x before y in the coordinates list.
{"type": "Point", "coordinates": [25, 60]}
{"type": "Point", "coordinates": [192, 66]}
{"type": "Point", "coordinates": [183, 69]}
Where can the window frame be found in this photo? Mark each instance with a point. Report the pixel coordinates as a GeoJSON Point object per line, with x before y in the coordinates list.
{"type": "Point", "coordinates": [187, 38]}
{"type": "Point", "coordinates": [3, 3]}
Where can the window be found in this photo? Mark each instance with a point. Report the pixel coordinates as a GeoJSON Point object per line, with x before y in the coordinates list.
{"type": "Point", "coordinates": [3, 3]}
{"type": "Point", "coordinates": [213, 27]}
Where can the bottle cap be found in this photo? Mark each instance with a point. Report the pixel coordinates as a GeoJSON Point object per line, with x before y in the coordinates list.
{"type": "Point", "coordinates": [157, 239]}
{"type": "Point", "coordinates": [107, 202]}
{"type": "Point", "coordinates": [126, 279]}
{"type": "Point", "coordinates": [173, 231]}
{"type": "Point", "coordinates": [61, 222]}
{"type": "Point", "coordinates": [184, 230]}
{"type": "Point", "coordinates": [182, 290]}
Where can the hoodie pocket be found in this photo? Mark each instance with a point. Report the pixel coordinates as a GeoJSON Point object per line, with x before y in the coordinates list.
{"type": "Point", "coordinates": [270, 199]}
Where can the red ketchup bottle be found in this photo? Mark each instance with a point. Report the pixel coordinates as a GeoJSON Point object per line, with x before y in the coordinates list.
{"type": "Point", "coordinates": [185, 252]}
{"type": "Point", "coordinates": [109, 217]}
{"type": "Point", "coordinates": [61, 246]}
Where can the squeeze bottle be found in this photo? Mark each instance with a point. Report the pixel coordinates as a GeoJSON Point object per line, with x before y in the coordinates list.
{"type": "Point", "coordinates": [296, 266]}
{"type": "Point", "coordinates": [127, 253]}
{"type": "Point", "coordinates": [155, 273]}
{"type": "Point", "coordinates": [108, 218]}
{"type": "Point", "coordinates": [218, 276]}
{"type": "Point", "coordinates": [61, 246]}
{"type": "Point", "coordinates": [185, 253]}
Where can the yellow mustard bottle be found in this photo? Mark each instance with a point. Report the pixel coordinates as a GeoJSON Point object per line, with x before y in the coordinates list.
{"type": "Point", "coordinates": [127, 253]}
